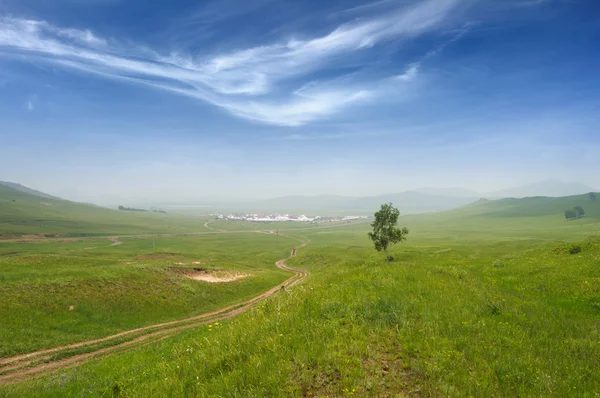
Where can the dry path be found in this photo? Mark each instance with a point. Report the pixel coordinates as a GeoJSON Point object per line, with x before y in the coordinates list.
{"type": "Point", "coordinates": [207, 226]}
{"type": "Point", "coordinates": [35, 364]}
{"type": "Point", "coordinates": [114, 240]}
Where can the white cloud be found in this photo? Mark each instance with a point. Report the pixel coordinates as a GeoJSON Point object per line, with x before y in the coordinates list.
{"type": "Point", "coordinates": [83, 36]}
{"type": "Point", "coordinates": [248, 83]}
{"type": "Point", "coordinates": [409, 74]}
{"type": "Point", "coordinates": [30, 105]}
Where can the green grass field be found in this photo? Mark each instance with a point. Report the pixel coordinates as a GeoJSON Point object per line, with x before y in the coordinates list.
{"type": "Point", "coordinates": [25, 214]}
{"type": "Point", "coordinates": [499, 298]}
{"type": "Point", "coordinates": [113, 288]}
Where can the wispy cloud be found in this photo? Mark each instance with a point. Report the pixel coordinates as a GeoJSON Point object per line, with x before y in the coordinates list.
{"type": "Point", "coordinates": [30, 105]}
{"type": "Point", "coordinates": [410, 73]}
{"type": "Point", "coordinates": [255, 83]}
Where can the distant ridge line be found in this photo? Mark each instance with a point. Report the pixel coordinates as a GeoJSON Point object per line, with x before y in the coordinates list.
{"type": "Point", "coordinates": [30, 191]}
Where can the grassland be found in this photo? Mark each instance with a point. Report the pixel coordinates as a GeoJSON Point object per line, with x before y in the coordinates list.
{"type": "Point", "coordinates": [496, 299]}
{"type": "Point", "coordinates": [114, 288]}
{"type": "Point", "coordinates": [31, 216]}
{"type": "Point", "coordinates": [25, 214]}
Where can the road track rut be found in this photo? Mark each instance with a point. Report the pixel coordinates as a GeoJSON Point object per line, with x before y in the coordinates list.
{"type": "Point", "coordinates": [40, 363]}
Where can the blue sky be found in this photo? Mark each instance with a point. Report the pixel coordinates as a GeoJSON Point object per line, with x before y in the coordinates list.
{"type": "Point", "coordinates": [109, 99]}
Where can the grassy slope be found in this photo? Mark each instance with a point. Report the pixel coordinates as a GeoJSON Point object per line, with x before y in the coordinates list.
{"type": "Point", "coordinates": [507, 219]}
{"type": "Point", "coordinates": [22, 213]}
{"type": "Point", "coordinates": [114, 288]}
{"type": "Point", "coordinates": [532, 207]}
{"type": "Point", "coordinates": [27, 190]}
{"type": "Point", "coordinates": [479, 305]}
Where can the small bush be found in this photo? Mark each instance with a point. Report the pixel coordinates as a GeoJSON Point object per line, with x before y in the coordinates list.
{"type": "Point", "coordinates": [569, 249]}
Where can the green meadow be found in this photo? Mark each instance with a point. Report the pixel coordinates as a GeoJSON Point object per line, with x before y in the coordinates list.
{"type": "Point", "coordinates": [25, 214]}
{"type": "Point", "coordinates": [499, 298]}
{"type": "Point", "coordinates": [114, 288]}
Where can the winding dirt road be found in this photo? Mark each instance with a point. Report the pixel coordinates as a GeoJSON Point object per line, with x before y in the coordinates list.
{"type": "Point", "coordinates": [35, 364]}
{"type": "Point", "coordinates": [113, 239]}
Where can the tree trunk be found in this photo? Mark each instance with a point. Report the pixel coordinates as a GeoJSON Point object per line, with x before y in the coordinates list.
{"type": "Point", "coordinates": [387, 254]}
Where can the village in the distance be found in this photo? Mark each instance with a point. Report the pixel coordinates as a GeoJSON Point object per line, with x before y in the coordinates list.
{"type": "Point", "coordinates": [274, 217]}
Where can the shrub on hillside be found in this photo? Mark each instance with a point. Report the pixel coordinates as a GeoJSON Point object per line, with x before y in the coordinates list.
{"type": "Point", "coordinates": [573, 248]}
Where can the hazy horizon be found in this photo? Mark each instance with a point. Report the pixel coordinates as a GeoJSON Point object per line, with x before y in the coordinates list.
{"type": "Point", "coordinates": [351, 98]}
{"type": "Point", "coordinates": [551, 188]}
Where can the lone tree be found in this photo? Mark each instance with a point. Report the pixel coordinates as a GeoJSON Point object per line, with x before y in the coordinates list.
{"type": "Point", "coordinates": [592, 195]}
{"type": "Point", "coordinates": [579, 210]}
{"type": "Point", "coordinates": [385, 233]}
{"type": "Point", "coordinates": [570, 214]}
{"type": "Point", "coordinates": [575, 212]}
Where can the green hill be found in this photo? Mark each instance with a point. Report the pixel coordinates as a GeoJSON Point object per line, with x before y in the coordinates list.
{"type": "Point", "coordinates": [542, 217]}
{"type": "Point", "coordinates": [25, 213]}
{"type": "Point", "coordinates": [22, 188]}
{"type": "Point", "coordinates": [511, 208]}
{"type": "Point", "coordinates": [533, 207]}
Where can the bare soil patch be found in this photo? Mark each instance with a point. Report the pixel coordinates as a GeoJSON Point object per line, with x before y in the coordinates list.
{"type": "Point", "coordinates": [202, 274]}
{"type": "Point", "coordinates": [32, 237]}
{"type": "Point", "coordinates": [219, 277]}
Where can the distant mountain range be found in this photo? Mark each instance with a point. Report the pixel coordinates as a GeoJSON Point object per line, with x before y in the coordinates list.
{"type": "Point", "coordinates": [422, 200]}
{"type": "Point", "coordinates": [550, 188]}
{"type": "Point", "coordinates": [407, 202]}
{"type": "Point", "coordinates": [456, 192]}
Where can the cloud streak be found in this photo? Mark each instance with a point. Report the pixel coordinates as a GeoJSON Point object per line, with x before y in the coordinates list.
{"type": "Point", "coordinates": [254, 83]}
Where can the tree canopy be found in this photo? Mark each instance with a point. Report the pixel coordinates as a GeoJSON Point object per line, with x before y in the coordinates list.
{"type": "Point", "coordinates": [385, 232]}
{"type": "Point", "coordinates": [576, 212]}
{"type": "Point", "coordinates": [123, 208]}
{"type": "Point", "coordinates": [570, 214]}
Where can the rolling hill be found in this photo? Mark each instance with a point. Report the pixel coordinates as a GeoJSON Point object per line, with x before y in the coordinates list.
{"type": "Point", "coordinates": [514, 217]}
{"type": "Point", "coordinates": [24, 211]}
{"type": "Point", "coordinates": [22, 188]}
{"type": "Point", "coordinates": [533, 207]}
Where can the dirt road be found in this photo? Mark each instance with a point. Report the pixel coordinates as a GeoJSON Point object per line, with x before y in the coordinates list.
{"type": "Point", "coordinates": [43, 362]}
{"type": "Point", "coordinates": [114, 240]}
